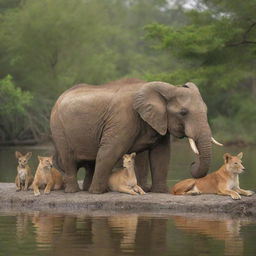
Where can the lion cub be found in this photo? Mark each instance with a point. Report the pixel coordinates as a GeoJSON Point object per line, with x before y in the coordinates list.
{"type": "Point", "coordinates": [46, 176]}
{"type": "Point", "coordinates": [24, 177]}
{"type": "Point", "coordinates": [223, 181]}
{"type": "Point", "coordinates": [125, 180]}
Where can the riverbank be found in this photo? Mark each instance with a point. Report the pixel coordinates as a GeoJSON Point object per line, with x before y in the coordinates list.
{"type": "Point", "coordinates": [83, 202]}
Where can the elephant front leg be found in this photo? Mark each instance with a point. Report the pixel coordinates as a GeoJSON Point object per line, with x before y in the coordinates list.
{"type": "Point", "coordinates": [159, 158]}
{"type": "Point", "coordinates": [89, 169]}
{"type": "Point", "coordinates": [106, 159]}
{"type": "Point", "coordinates": [142, 169]}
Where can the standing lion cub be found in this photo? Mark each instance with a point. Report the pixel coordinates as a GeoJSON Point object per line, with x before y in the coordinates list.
{"type": "Point", "coordinates": [223, 181]}
{"type": "Point", "coordinates": [24, 176]}
{"type": "Point", "coordinates": [46, 176]}
{"type": "Point", "coordinates": [125, 180]}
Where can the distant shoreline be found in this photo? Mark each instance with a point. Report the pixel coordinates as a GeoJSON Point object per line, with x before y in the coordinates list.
{"type": "Point", "coordinates": [47, 144]}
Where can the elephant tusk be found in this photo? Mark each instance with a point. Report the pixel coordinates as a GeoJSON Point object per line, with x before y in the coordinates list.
{"type": "Point", "coordinates": [193, 146]}
{"type": "Point", "coordinates": [216, 142]}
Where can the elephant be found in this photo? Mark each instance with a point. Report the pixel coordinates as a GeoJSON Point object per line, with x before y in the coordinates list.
{"type": "Point", "coordinates": [93, 126]}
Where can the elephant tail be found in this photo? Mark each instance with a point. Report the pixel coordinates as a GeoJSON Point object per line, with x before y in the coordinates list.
{"type": "Point", "coordinates": [183, 186]}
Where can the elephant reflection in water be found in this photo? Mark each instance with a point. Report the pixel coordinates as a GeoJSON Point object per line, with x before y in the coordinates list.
{"type": "Point", "coordinates": [76, 235]}
{"type": "Point", "coordinates": [227, 230]}
{"type": "Point", "coordinates": [22, 221]}
{"type": "Point", "coordinates": [66, 235]}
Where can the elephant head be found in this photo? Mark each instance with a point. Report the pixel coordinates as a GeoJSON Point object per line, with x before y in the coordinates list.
{"type": "Point", "coordinates": [180, 111]}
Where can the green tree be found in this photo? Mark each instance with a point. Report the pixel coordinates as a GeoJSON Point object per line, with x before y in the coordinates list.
{"type": "Point", "coordinates": [13, 108]}
{"type": "Point", "coordinates": [23, 118]}
{"type": "Point", "coordinates": [48, 46]}
{"type": "Point", "coordinates": [216, 49]}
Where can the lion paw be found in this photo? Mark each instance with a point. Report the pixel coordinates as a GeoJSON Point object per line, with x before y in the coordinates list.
{"type": "Point", "coordinates": [236, 196]}
{"type": "Point", "coordinates": [249, 192]}
{"type": "Point", "coordinates": [37, 193]}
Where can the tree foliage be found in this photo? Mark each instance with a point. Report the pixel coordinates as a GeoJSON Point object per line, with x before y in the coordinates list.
{"type": "Point", "coordinates": [51, 45]}
{"type": "Point", "coordinates": [48, 46]}
{"type": "Point", "coordinates": [13, 99]}
{"type": "Point", "coordinates": [217, 50]}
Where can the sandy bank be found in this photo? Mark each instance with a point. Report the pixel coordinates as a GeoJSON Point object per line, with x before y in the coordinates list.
{"type": "Point", "coordinates": [83, 202]}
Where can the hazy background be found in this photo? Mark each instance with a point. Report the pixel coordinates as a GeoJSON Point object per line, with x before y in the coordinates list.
{"type": "Point", "coordinates": [47, 46]}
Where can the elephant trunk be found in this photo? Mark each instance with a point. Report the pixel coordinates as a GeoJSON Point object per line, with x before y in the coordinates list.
{"type": "Point", "coordinates": [200, 167]}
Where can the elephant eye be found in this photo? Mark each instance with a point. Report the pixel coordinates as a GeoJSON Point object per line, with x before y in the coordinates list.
{"type": "Point", "coordinates": [183, 112]}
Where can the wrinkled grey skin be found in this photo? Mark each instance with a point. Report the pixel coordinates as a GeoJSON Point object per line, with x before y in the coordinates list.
{"type": "Point", "coordinates": [94, 126]}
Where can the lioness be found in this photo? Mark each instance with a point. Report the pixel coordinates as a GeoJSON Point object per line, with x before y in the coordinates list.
{"type": "Point", "coordinates": [223, 181]}
{"type": "Point", "coordinates": [46, 176]}
{"type": "Point", "coordinates": [125, 180]}
{"type": "Point", "coordinates": [24, 176]}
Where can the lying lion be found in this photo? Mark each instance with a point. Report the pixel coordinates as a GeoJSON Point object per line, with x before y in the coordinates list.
{"type": "Point", "coordinates": [223, 181]}
{"type": "Point", "coordinates": [124, 180]}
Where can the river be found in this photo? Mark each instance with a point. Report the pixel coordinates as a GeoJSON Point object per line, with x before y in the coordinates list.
{"type": "Point", "coordinates": [40, 233]}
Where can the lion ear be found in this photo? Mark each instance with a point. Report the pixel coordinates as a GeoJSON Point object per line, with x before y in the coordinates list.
{"type": "Point", "coordinates": [39, 158]}
{"type": "Point", "coordinates": [133, 155]}
{"type": "Point", "coordinates": [18, 154]}
{"type": "Point", "coordinates": [28, 155]}
{"type": "Point", "coordinates": [227, 157]}
{"type": "Point", "coordinates": [240, 155]}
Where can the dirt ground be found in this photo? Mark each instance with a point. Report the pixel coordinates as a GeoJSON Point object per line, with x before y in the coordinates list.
{"type": "Point", "coordinates": [152, 203]}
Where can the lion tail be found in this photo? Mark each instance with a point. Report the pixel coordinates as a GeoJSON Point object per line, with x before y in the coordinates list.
{"type": "Point", "coordinates": [182, 187]}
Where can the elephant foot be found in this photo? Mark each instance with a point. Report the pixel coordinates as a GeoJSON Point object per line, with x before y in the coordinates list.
{"type": "Point", "coordinates": [97, 190]}
{"type": "Point", "coordinates": [145, 187]}
{"type": "Point", "coordinates": [159, 189]}
{"type": "Point", "coordinates": [71, 188]}
{"type": "Point", "coordinates": [71, 185]}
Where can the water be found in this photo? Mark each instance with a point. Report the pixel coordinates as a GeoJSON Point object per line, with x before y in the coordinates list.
{"type": "Point", "coordinates": [44, 234]}
{"type": "Point", "coordinates": [39, 233]}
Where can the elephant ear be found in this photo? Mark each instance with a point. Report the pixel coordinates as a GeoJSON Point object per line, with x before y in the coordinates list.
{"type": "Point", "coordinates": [150, 103]}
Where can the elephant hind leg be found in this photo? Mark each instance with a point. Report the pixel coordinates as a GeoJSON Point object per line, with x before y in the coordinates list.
{"type": "Point", "coordinates": [70, 169]}
{"type": "Point", "coordinates": [70, 177]}
{"type": "Point", "coordinates": [64, 155]}
{"type": "Point", "coordinates": [89, 169]}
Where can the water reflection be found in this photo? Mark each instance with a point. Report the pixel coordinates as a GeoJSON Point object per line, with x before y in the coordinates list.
{"type": "Point", "coordinates": [226, 230]}
{"type": "Point", "coordinates": [126, 226]}
{"type": "Point", "coordinates": [112, 235]}
{"type": "Point", "coordinates": [132, 234]}
{"type": "Point", "coordinates": [22, 222]}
